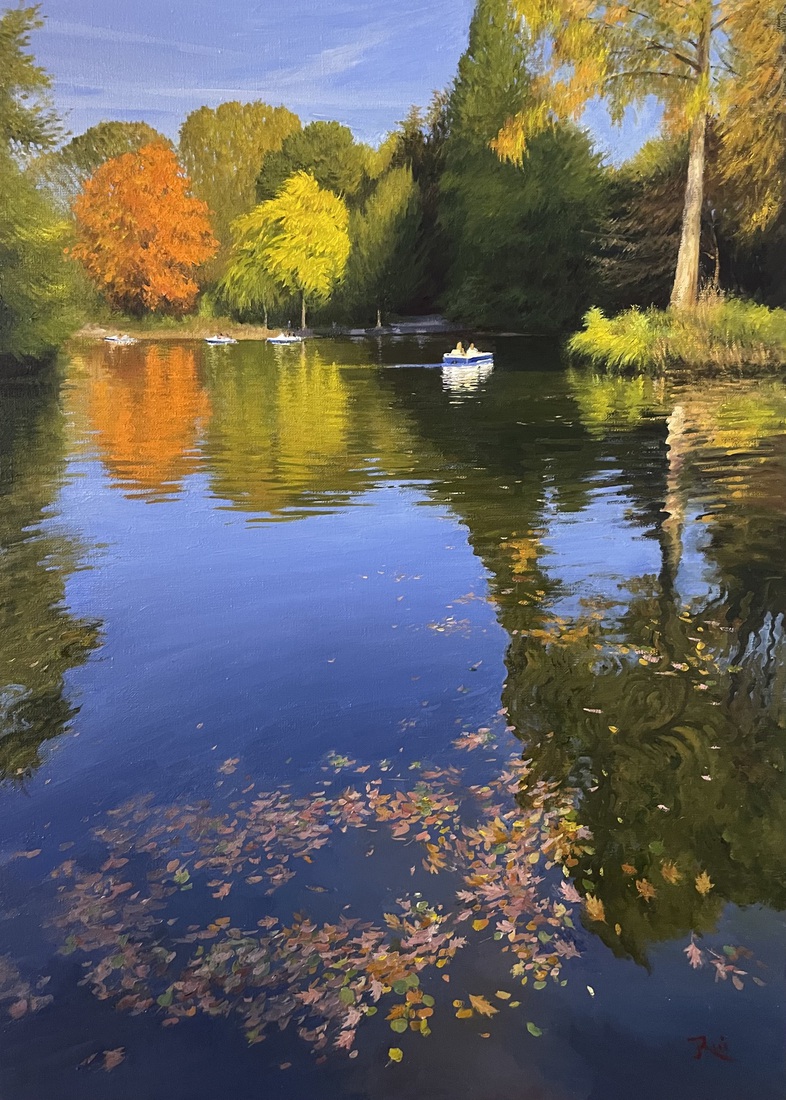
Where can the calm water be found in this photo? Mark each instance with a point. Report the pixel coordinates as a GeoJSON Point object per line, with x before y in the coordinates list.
{"type": "Point", "coordinates": [279, 629]}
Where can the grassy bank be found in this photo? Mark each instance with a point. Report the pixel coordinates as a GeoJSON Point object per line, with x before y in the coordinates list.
{"type": "Point", "coordinates": [717, 334]}
{"type": "Point", "coordinates": [189, 328]}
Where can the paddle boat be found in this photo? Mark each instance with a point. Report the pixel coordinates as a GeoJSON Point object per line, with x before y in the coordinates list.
{"type": "Point", "coordinates": [469, 358]}
{"type": "Point", "coordinates": [123, 341]}
{"type": "Point", "coordinates": [219, 341]}
{"type": "Point", "coordinates": [285, 338]}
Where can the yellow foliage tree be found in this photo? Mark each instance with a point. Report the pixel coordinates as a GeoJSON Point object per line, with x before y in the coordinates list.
{"type": "Point", "coordinates": [296, 243]}
{"type": "Point", "coordinates": [684, 54]}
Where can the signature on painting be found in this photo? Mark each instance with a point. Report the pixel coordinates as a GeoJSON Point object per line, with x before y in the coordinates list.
{"type": "Point", "coordinates": [703, 1046]}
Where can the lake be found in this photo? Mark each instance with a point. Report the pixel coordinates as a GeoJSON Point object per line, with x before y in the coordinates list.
{"type": "Point", "coordinates": [376, 730]}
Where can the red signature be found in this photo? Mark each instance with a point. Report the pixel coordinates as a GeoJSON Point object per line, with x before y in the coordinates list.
{"type": "Point", "coordinates": [719, 1049]}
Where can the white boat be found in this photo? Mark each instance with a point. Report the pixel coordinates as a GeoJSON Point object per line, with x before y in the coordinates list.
{"type": "Point", "coordinates": [284, 338]}
{"type": "Point", "coordinates": [220, 341]}
{"type": "Point", "coordinates": [452, 359]}
{"type": "Point", "coordinates": [123, 341]}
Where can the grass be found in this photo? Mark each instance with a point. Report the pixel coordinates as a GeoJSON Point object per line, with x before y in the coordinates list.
{"type": "Point", "coordinates": [718, 333]}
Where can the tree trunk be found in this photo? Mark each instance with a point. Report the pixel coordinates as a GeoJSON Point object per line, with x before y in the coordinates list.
{"type": "Point", "coordinates": [265, 311]}
{"type": "Point", "coordinates": [379, 318]}
{"type": "Point", "coordinates": [686, 278]}
{"type": "Point", "coordinates": [303, 311]}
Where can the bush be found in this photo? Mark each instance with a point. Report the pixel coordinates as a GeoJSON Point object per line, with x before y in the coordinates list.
{"type": "Point", "coordinates": [718, 333]}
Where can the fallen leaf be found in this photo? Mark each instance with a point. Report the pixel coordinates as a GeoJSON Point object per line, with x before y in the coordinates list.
{"type": "Point", "coordinates": [670, 872]}
{"type": "Point", "coordinates": [646, 889]}
{"type": "Point", "coordinates": [704, 884]}
{"type": "Point", "coordinates": [479, 925]}
{"type": "Point", "coordinates": [533, 1029]}
{"type": "Point", "coordinates": [503, 996]}
{"type": "Point", "coordinates": [395, 1054]}
{"type": "Point", "coordinates": [594, 907]}
{"type": "Point", "coordinates": [113, 1058]}
{"type": "Point", "coordinates": [481, 1005]}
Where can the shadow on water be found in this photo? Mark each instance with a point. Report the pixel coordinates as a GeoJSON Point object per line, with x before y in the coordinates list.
{"type": "Point", "coordinates": [40, 640]}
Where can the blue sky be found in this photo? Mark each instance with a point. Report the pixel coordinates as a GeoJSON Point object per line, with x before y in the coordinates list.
{"type": "Point", "coordinates": [363, 62]}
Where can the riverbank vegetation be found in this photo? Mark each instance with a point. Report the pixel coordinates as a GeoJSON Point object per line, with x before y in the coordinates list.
{"type": "Point", "coordinates": [492, 205]}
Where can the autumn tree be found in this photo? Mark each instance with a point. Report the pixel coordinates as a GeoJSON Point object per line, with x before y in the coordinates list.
{"type": "Point", "coordinates": [141, 234]}
{"type": "Point", "coordinates": [297, 243]}
{"type": "Point", "coordinates": [222, 150]}
{"type": "Point", "coordinates": [63, 172]}
{"type": "Point", "coordinates": [680, 53]}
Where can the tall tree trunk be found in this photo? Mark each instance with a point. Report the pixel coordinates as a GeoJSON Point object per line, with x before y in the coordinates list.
{"type": "Point", "coordinates": [265, 311]}
{"type": "Point", "coordinates": [302, 311]}
{"type": "Point", "coordinates": [685, 291]}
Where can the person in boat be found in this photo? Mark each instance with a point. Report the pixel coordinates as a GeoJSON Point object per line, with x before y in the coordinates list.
{"type": "Point", "coordinates": [472, 351]}
{"type": "Point", "coordinates": [459, 349]}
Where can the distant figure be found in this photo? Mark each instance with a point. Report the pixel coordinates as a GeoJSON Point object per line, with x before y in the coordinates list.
{"type": "Point", "coordinates": [459, 349]}
{"type": "Point", "coordinates": [472, 350]}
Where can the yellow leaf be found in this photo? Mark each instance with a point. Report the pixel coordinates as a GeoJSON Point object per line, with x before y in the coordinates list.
{"type": "Point", "coordinates": [395, 1054]}
{"type": "Point", "coordinates": [481, 1005]}
{"type": "Point", "coordinates": [503, 996]}
{"type": "Point", "coordinates": [670, 872]}
{"type": "Point", "coordinates": [479, 925]}
{"type": "Point", "coordinates": [464, 1013]}
{"type": "Point", "coordinates": [703, 884]}
{"type": "Point", "coordinates": [594, 907]}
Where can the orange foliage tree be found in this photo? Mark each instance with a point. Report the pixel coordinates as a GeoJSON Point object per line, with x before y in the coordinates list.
{"type": "Point", "coordinates": [140, 234]}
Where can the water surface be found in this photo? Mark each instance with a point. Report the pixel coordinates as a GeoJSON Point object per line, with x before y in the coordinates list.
{"type": "Point", "coordinates": [540, 612]}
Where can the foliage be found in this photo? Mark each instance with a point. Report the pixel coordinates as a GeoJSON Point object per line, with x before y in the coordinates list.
{"type": "Point", "coordinates": [326, 151]}
{"type": "Point", "coordinates": [382, 272]}
{"type": "Point", "coordinates": [519, 237]}
{"type": "Point", "coordinates": [64, 172]}
{"type": "Point", "coordinates": [679, 54]}
{"type": "Point", "coordinates": [27, 120]}
{"type": "Point", "coordinates": [296, 243]}
{"type": "Point", "coordinates": [719, 333]}
{"type": "Point", "coordinates": [140, 234]}
{"type": "Point", "coordinates": [222, 149]}
{"type": "Point", "coordinates": [325, 979]}
{"type": "Point", "coordinates": [36, 304]}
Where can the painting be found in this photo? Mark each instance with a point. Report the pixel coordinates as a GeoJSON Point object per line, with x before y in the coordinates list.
{"type": "Point", "coordinates": [392, 511]}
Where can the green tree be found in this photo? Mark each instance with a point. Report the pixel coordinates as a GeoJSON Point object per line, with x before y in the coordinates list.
{"type": "Point", "coordinates": [327, 151]}
{"type": "Point", "coordinates": [519, 236]}
{"type": "Point", "coordinates": [222, 149]}
{"type": "Point", "coordinates": [384, 266]}
{"type": "Point", "coordinates": [28, 122]}
{"type": "Point", "coordinates": [297, 243]}
{"type": "Point", "coordinates": [679, 53]}
{"type": "Point", "coordinates": [36, 305]}
{"type": "Point", "coordinates": [64, 171]}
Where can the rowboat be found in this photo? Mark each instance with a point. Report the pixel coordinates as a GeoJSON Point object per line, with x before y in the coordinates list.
{"type": "Point", "coordinates": [123, 341]}
{"type": "Point", "coordinates": [219, 341]}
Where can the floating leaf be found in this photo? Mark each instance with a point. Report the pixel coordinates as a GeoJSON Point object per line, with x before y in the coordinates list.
{"type": "Point", "coordinates": [464, 1013]}
{"type": "Point", "coordinates": [594, 907]}
{"type": "Point", "coordinates": [704, 884]}
{"type": "Point", "coordinates": [481, 1005]}
{"type": "Point", "coordinates": [395, 1054]}
{"type": "Point", "coordinates": [646, 889]}
{"type": "Point", "coordinates": [113, 1058]}
{"type": "Point", "coordinates": [533, 1029]}
{"type": "Point", "coordinates": [670, 872]}
{"type": "Point", "coordinates": [346, 995]}
{"type": "Point", "coordinates": [503, 995]}
{"type": "Point", "coordinates": [479, 925]}
{"type": "Point", "coordinates": [399, 1025]}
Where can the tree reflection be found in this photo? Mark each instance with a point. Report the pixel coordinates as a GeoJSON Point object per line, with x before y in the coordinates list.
{"type": "Point", "coordinates": [148, 408]}
{"type": "Point", "coordinates": [40, 640]}
{"type": "Point", "coordinates": [658, 694]}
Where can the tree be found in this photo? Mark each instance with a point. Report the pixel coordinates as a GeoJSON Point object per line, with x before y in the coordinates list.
{"type": "Point", "coordinates": [519, 237]}
{"type": "Point", "coordinates": [676, 52]}
{"type": "Point", "coordinates": [140, 234]}
{"type": "Point", "coordinates": [27, 120]}
{"type": "Point", "coordinates": [35, 311]}
{"type": "Point", "coordinates": [384, 266]}
{"type": "Point", "coordinates": [327, 151]}
{"type": "Point", "coordinates": [297, 243]}
{"type": "Point", "coordinates": [36, 307]}
{"type": "Point", "coordinates": [222, 149]}
{"type": "Point", "coordinates": [64, 172]}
